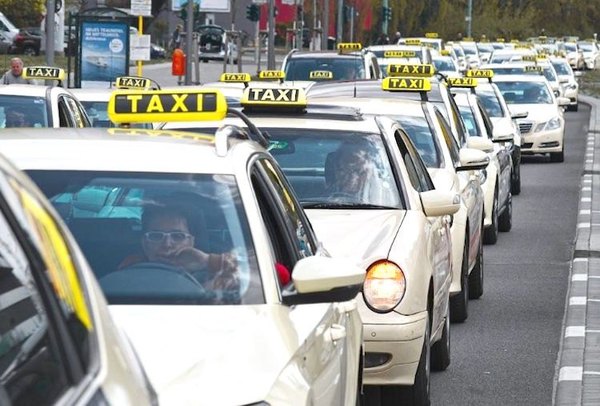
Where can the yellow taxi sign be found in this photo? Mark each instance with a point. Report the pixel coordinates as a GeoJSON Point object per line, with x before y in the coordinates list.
{"type": "Point", "coordinates": [274, 96]}
{"type": "Point", "coordinates": [349, 47]}
{"type": "Point", "coordinates": [412, 41]}
{"type": "Point", "coordinates": [320, 75]}
{"type": "Point", "coordinates": [272, 74]}
{"type": "Point", "coordinates": [406, 84]}
{"type": "Point", "coordinates": [432, 35]}
{"type": "Point", "coordinates": [529, 58]}
{"type": "Point", "coordinates": [399, 54]}
{"type": "Point", "coordinates": [500, 39]}
{"type": "Point", "coordinates": [533, 68]}
{"type": "Point", "coordinates": [468, 39]}
{"type": "Point", "coordinates": [480, 73]}
{"type": "Point", "coordinates": [132, 82]}
{"type": "Point", "coordinates": [462, 82]}
{"type": "Point", "coordinates": [541, 57]}
{"type": "Point", "coordinates": [130, 106]}
{"type": "Point", "coordinates": [445, 52]}
{"type": "Point", "coordinates": [514, 41]}
{"type": "Point", "coordinates": [43, 72]}
{"type": "Point", "coordinates": [235, 78]}
{"type": "Point", "coordinates": [417, 70]}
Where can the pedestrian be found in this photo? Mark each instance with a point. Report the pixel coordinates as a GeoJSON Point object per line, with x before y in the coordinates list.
{"type": "Point", "coordinates": [397, 37]}
{"type": "Point", "coordinates": [383, 39]}
{"type": "Point", "coordinates": [15, 74]}
{"type": "Point", "coordinates": [176, 38]}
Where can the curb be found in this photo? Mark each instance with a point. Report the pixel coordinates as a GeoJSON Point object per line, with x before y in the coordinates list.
{"type": "Point", "coordinates": [577, 373]}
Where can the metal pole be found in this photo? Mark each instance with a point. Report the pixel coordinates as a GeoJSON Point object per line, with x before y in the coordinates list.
{"type": "Point", "coordinates": [314, 27]}
{"type": "Point", "coordinates": [189, 28]}
{"type": "Point", "coordinates": [469, 17]}
{"type": "Point", "coordinates": [384, 21]}
{"type": "Point", "coordinates": [196, 52]}
{"type": "Point", "coordinates": [256, 42]}
{"type": "Point", "coordinates": [238, 42]}
{"type": "Point", "coordinates": [351, 23]}
{"type": "Point", "coordinates": [49, 28]}
{"type": "Point", "coordinates": [325, 33]}
{"type": "Point", "coordinates": [271, 40]}
{"type": "Point", "coordinates": [340, 21]}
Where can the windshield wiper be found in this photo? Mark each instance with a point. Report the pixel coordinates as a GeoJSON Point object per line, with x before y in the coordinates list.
{"type": "Point", "coordinates": [334, 205]}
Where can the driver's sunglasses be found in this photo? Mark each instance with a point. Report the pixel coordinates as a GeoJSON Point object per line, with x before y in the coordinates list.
{"type": "Point", "coordinates": [159, 236]}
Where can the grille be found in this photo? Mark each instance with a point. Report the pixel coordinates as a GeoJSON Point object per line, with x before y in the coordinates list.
{"type": "Point", "coordinates": [527, 145]}
{"type": "Point", "coordinates": [525, 127]}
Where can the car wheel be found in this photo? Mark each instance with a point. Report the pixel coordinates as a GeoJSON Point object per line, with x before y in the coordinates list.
{"type": "Point", "coordinates": [490, 234]}
{"type": "Point", "coordinates": [476, 275]}
{"type": "Point", "coordinates": [419, 392]}
{"type": "Point", "coordinates": [29, 51]}
{"type": "Point", "coordinates": [558, 156]}
{"type": "Point", "coordinates": [505, 219]}
{"type": "Point", "coordinates": [459, 303]}
{"type": "Point", "coordinates": [440, 351]}
{"type": "Point", "coordinates": [515, 185]}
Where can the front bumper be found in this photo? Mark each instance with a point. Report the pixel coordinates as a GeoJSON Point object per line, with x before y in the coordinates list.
{"type": "Point", "coordinates": [543, 141]}
{"type": "Point", "coordinates": [396, 338]}
{"type": "Point", "coordinates": [572, 95]}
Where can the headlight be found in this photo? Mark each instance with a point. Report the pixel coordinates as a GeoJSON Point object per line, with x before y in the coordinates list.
{"type": "Point", "coordinates": [549, 125]}
{"type": "Point", "coordinates": [384, 286]}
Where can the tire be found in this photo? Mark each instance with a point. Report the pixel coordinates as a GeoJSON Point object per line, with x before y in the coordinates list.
{"type": "Point", "coordinates": [490, 234]}
{"type": "Point", "coordinates": [515, 184]}
{"type": "Point", "coordinates": [505, 219]}
{"type": "Point", "coordinates": [440, 351]}
{"type": "Point", "coordinates": [476, 275]}
{"type": "Point", "coordinates": [419, 393]}
{"type": "Point", "coordinates": [459, 303]}
{"type": "Point", "coordinates": [558, 156]}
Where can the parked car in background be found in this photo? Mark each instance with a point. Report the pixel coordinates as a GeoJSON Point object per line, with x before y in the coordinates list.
{"type": "Point", "coordinates": [157, 52]}
{"type": "Point", "coordinates": [215, 45]}
{"type": "Point", "coordinates": [28, 41]}
{"type": "Point", "coordinates": [5, 42]}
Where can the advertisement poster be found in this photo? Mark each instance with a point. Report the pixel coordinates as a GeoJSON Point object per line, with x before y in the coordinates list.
{"type": "Point", "coordinates": [104, 52]}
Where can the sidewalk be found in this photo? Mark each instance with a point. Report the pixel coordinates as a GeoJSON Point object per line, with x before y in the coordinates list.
{"type": "Point", "coordinates": [577, 375]}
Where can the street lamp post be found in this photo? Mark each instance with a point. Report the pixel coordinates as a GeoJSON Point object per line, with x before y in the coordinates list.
{"type": "Point", "coordinates": [469, 16]}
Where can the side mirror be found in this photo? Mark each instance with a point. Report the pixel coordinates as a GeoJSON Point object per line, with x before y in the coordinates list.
{"type": "Point", "coordinates": [564, 81]}
{"type": "Point", "coordinates": [472, 160]}
{"type": "Point", "coordinates": [480, 143]}
{"type": "Point", "coordinates": [320, 279]}
{"type": "Point", "coordinates": [578, 73]}
{"type": "Point", "coordinates": [439, 203]}
{"type": "Point", "coordinates": [563, 101]}
{"type": "Point", "coordinates": [519, 114]}
{"type": "Point", "coordinates": [498, 136]}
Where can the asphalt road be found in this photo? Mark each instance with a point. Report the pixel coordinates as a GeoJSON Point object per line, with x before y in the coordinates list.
{"type": "Point", "coordinates": [506, 352]}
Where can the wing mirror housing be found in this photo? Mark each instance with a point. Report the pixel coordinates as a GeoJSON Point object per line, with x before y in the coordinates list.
{"type": "Point", "coordinates": [480, 143]}
{"type": "Point", "coordinates": [563, 101]}
{"type": "Point", "coordinates": [439, 203]}
{"type": "Point", "coordinates": [472, 160]}
{"type": "Point", "coordinates": [498, 136]}
{"type": "Point", "coordinates": [519, 114]}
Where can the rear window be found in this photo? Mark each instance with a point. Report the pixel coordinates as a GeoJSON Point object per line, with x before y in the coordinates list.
{"type": "Point", "coordinates": [23, 111]}
{"type": "Point", "coordinates": [346, 68]}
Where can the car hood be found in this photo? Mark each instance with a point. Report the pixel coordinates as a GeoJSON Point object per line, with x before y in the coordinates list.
{"type": "Point", "coordinates": [537, 112]}
{"type": "Point", "coordinates": [212, 355]}
{"type": "Point", "coordinates": [363, 235]}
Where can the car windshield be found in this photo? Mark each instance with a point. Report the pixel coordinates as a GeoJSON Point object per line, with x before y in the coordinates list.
{"type": "Point", "coordinates": [525, 92]}
{"type": "Point", "coordinates": [562, 68]}
{"type": "Point", "coordinates": [444, 64]}
{"type": "Point", "coordinates": [98, 114]}
{"type": "Point", "coordinates": [549, 74]}
{"type": "Point", "coordinates": [159, 238]}
{"type": "Point", "coordinates": [333, 168]}
{"type": "Point", "coordinates": [490, 101]}
{"type": "Point", "coordinates": [342, 68]}
{"type": "Point", "coordinates": [570, 47]}
{"type": "Point", "coordinates": [421, 135]}
{"type": "Point", "coordinates": [587, 47]}
{"type": "Point", "coordinates": [23, 111]}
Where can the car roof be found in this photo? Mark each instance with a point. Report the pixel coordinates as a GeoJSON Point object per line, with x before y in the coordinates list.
{"type": "Point", "coordinates": [93, 94]}
{"type": "Point", "coordinates": [25, 90]}
{"type": "Point", "coordinates": [520, 78]}
{"type": "Point", "coordinates": [367, 88]}
{"type": "Point", "coordinates": [374, 105]}
{"type": "Point", "coordinates": [326, 54]}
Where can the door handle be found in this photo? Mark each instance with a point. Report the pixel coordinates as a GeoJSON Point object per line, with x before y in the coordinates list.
{"type": "Point", "coordinates": [335, 332]}
{"type": "Point", "coordinates": [346, 307]}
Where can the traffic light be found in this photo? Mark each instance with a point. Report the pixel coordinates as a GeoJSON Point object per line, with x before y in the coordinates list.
{"type": "Point", "coordinates": [253, 12]}
{"type": "Point", "coordinates": [386, 13]}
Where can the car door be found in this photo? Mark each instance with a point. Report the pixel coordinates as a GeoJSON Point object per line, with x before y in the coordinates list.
{"type": "Point", "coordinates": [322, 327]}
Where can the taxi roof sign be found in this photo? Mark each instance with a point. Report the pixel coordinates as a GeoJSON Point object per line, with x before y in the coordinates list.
{"type": "Point", "coordinates": [533, 68]}
{"type": "Point", "coordinates": [399, 54]}
{"type": "Point", "coordinates": [320, 75]}
{"type": "Point", "coordinates": [274, 97]}
{"type": "Point", "coordinates": [500, 39]}
{"type": "Point", "coordinates": [445, 52]}
{"type": "Point", "coordinates": [406, 84]}
{"type": "Point", "coordinates": [132, 82]}
{"type": "Point", "coordinates": [462, 82]}
{"type": "Point", "coordinates": [412, 41]}
{"type": "Point", "coordinates": [344, 47]}
{"type": "Point", "coordinates": [480, 73]}
{"type": "Point", "coordinates": [44, 72]}
{"type": "Point", "coordinates": [432, 35]}
{"type": "Point", "coordinates": [235, 78]}
{"type": "Point", "coordinates": [416, 70]}
{"type": "Point", "coordinates": [139, 106]}
{"type": "Point", "coordinates": [272, 74]}
{"type": "Point", "coordinates": [529, 58]}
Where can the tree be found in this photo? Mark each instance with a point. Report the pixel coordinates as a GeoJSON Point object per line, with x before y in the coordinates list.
{"type": "Point", "coordinates": [24, 13]}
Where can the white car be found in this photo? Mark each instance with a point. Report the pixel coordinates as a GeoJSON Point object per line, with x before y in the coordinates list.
{"type": "Point", "coordinates": [208, 262]}
{"type": "Point", "coordinates": [567, 78]}
{"type": "Point", "coordinates": [398, 54]}
{"type": "Point", "coordinates": [370, 199]}
{"type": "Point", "coordinates": [40, 105]}
{"type": "Point", "coordinates": [446, 66]}
{"type": "Point", "coordinates": [451, 168]}
{"type": "Point", "coordinates": [543, 129]}
{"type": "Point", "coordinates": [591, 53]}
{"type": "Point", "coordinates": [60, 345]}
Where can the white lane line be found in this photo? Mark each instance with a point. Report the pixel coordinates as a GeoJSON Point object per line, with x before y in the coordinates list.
{"type": "Point", "coordinates": [593, 277]}
{"type": "Point", "coordinates": [570, 374]}
{"type": "Point", "coordinates": [581, 259]}
{"type": "Point", "coordinates": [583, 225]}
{"type": "Point", "coordinates": [592, 331]}
{"type": "Point", "coordinates": [586, 189]}
{"type": "Point", "coordinates": [593, 300]}
{"type": "Point", "coordinates": [575, 331]}
{"type": "Point", "coordinates": [579, 277]}
{"type": "Point", "coordinates": [578, 301]}
{"type": "Point", "coordinates": [585, 212]}
{"type": "Point", "coordinates": [591, 373]}
{"type": "Point", "coordinates": [586, 199]}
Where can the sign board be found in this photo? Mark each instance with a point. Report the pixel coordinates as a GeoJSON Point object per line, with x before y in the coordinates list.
{"type": "Point", "coordinates": [104, 52]}
{"type": "Point", "coordinates": [206, 6]}
{"type": "Point", "coordinates": [139, 47]}
{"type": "Point", "coordinates": [141, 8]}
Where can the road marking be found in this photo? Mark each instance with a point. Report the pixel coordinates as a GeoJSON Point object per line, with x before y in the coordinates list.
{"type": "Point", "coordinates": [570, 374]}
{"type": "Point", "coordinates": [593, 300]}
{"type": "Point", "coordinates": [578, 301]}
{"type": "Point", "coordinates": [583, 225]}
{"type": "Point", "coordinates": [579, 277]}
{"type": "Point", "coordinates": [586, 199]}
{"type": "Point", "coordinates": [586, 212]}
{"type": "Point", "coordinates": [575, 331]}
{"type": "Point", "coordinates": [592, 331]}
{"type": "Point", "coordinates": [594, 277]}
{"type": "Point", "coordinates": [586, 189]}
{"type": "Point", "coordinates": [581, 259]}
{"type": "Point", "coordinates": [591, 373]}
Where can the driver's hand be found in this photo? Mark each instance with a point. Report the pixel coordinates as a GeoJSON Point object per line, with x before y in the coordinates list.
{"type": "Point", "coordinates": [191, 259]}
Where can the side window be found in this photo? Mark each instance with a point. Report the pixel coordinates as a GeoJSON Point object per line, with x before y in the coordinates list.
{"type": "Point", "coordinates": [65, 119]}
{"type": "Point", "coordinates": [78, 115]}
{"type": "Point", "coordinates": [294, 215]}
{"type": "Point", "coordinates": [460, 125]}
{"type": "Point", "coordinates": [449, 138]}
{"type": "Point", "coordinates": [419, 177]}
{"type": "Point", "coordinates": [489, 127]}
